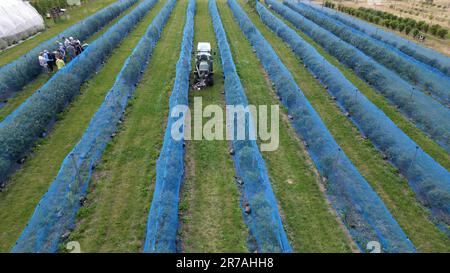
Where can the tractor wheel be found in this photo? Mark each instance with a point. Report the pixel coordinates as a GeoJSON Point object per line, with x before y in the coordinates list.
{"type": "Point", "coordinates": [211, 80]}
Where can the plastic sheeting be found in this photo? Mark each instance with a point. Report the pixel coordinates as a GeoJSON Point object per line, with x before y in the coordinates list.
{"type": "Point", "coordinates": [162, 224]}
{"type": "Point", "coordinates": [426, 113]}
{"type": "Point", "coordinates": [420, 53]}
{"type": "Point", "coordinates": [16, 26]}
{"type": "Point", "coordinates": [18, 73]}
{"type": "Point", "coordinates": [56, 212]}
{"type": "Point", "coordinates": [20, 130]}
{"type": "Point", "coordinates": [429, 180]}
{"type": "Point", "coordinates": [264, 221]}
{"type": "Point", "coordinates": [425, 78]}
{"type": "Point", "coordinates": [358, 206]}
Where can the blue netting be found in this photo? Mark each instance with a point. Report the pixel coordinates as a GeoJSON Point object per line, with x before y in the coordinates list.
{"type": "Point", "coordinates": [15, 75]}
{"type": "Point", "coordinates": [423, 76]}
{"type": "Point", "coordinates": [20, 130]}
{"type": "Point", "coordinates": [55, 214]}
{"type": "Point", "coordinates": [426, 113]}
{"type": "Point", "coordinates": [423, 54]}
{"type": "Point", "coordinates": [162, 224]}
{"type": "Point", "coordinates": [264, 221]}
{"type": "Point", "coordinates": [358, 206]}
{"type": "Point", "coordinates": [430, 180]}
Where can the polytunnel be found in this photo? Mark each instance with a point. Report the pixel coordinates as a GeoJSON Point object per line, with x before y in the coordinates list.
{"type": "Point", "coordinates": [16, 26]}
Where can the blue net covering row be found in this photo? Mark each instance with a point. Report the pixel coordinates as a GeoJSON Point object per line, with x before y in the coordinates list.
{"type": "Point", "coordinates": [356, 203]}
{"type": "Point", "coordinates": [420, 53]}
{"type": "Point", "coordinates": [427, 79]}
{"type": "Point", "coordinates": [429, 180]}
{"type": "Point", "coordinates": [20, 130]}
{"type": "Point", "coordinates": [162, 224]}
{"type": "Point", "coordinates": [17, 74]}
{"type": "Point", "coordinates": [426, 113]}
{"type": "Point", "coordinates": [55, 214]}
{"type": "Point", "coordinates": [264, 221]}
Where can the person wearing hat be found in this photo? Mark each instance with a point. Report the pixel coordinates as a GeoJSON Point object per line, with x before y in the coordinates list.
{"type": "Point", "coordinates": [43, 62]}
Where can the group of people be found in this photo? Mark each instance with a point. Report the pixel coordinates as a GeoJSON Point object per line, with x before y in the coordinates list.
{"type": "Point", "coordinates": [66, 51]}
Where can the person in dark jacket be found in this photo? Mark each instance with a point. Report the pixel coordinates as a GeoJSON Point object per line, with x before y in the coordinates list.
{"type": "Point", "coordinates": [51, 59]}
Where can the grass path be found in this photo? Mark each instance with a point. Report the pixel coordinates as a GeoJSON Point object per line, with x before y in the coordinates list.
{"type": "Point", "coordinates": [211, 219]}
{"type": "Point", "coordinates": [425, 142]}
{"type": "Point", "coordinates": [20, 96]}
{"type": "Point", "coordinates": [120, 194]}
{"type": "Point", "coordinates": [74, 15]}
{"type": "Point", "coordinates": [391, 187]}
{"type": "Point", "coordinates": [29, 183]}
{"type": "Point", "coordinates": [308, 220]}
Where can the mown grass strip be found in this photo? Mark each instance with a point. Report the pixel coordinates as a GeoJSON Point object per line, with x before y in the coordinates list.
{"type": "Point", "coordinates": [74, 15]}
{"type": "Point", "coordinates": [391, 187]}
{"type": "Point", "coordinates": [119, 197]}
{"type": "Point", "coordinates": [211, 219]}
{"type": "Point", "coordinates": [29, 89]}
{"type": "Point", "coordinates": [310, 223]}
{"type": "Point", "coordinates": [29, 183]}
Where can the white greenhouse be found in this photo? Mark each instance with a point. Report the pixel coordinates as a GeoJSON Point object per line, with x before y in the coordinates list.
{"type": "Point", "coordinates": [18, 21]}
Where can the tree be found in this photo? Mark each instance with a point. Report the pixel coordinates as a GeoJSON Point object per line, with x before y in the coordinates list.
{"type": "Point", "coordinates": [415, 32]}
{"type": "Point", "coordinates": [434, 29]}
{"type": "Point", "coordinates": [407, 29]}
{"type": "Point", "coordinates": [442, 33]}
{"type": "Point", "coordinates": [401, 27]}
{"type": "Point", "coordinates": [394, 24]}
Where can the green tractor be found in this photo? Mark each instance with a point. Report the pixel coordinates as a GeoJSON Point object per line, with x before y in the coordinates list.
{"type": "Point", "coordinates": [203, 71]}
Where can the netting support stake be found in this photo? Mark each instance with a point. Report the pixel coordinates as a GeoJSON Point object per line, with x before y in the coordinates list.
{"type": "Point", "coordinates": [77, 171]}
{"type": "Point", "coordinates": [414, 158]}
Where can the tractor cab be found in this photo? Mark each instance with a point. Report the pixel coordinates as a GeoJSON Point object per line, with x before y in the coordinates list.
{"type": "Point", "coordinates": [203, 71]}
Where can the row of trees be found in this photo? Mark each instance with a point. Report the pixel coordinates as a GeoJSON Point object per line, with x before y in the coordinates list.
{"type": "Point", "coordinates": [402, 24]}
{"type": "Point", "coordinates": [44, 6]}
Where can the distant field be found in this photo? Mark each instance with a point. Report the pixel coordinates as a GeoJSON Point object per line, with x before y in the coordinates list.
{"type": "Point", "coordinates": [436, 13]}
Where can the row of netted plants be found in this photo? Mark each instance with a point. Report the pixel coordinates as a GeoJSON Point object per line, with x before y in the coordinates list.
{"type": "Point", "coordinates": [426, 78]}
{"type": "Point", "coordinates": [55, 214]}
{"type": "Point", "coordinates": [429, 180]}
{"type": "Point", "coordinates": [356, 203]}
{"type": "Point", "coordinates": [258, 202]}
{"type": "Point", "coordinates": [426, 113]}
{"type": "Point", "coordinates": [16, 74]}
{"type": "Point", "coordinates": [162, 224]}
{"type": "Point", "coordinates": [420, 53]}
{"type": "Point", "coordinates": [22, 128]}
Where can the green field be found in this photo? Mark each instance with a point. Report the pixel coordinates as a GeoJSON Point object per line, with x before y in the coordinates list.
{"type": "Point", "coordinates": [120, 192]}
